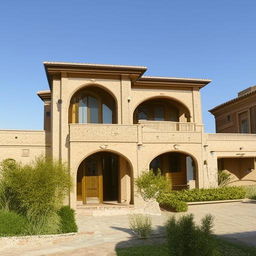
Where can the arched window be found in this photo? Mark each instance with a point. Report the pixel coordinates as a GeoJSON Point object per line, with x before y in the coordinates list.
{"type": "Point", "coordinates": [92, 105]}
{"type": "Point", "coordinates": [161, 109]}
{"type": "Point", "coordinates": [179, 167]}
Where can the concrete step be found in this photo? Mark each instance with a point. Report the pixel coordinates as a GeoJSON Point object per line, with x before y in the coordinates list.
{"type": "Point", "coordinates": [104, 209]}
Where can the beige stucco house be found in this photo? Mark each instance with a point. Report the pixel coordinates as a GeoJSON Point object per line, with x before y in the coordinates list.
{"type": "Point", "coordinates": [110, 123]}
{"type": "Point", "coordinates": [238, 115]}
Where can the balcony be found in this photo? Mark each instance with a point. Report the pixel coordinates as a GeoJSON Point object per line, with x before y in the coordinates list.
{"type": "Point", "coordinates": [144, 132]}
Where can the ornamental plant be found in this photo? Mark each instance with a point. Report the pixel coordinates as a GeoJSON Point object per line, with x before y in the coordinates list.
{"type": "Point", "coordinates": [35, 191]}
{"type": "Point", "coordinates": [224, 178]}
{"type": "Point", "coordinates": [141, 225]}
{"type": "Point", "coordinates": [184, 237]}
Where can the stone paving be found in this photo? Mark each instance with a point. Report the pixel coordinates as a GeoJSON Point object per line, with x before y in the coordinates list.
{"type": "Point", "coordinates": [101, 235]}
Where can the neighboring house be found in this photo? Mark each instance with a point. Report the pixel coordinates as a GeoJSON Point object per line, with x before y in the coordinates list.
{"type": "Point", "coordinates": [110, 123]}
{"type": "Point", "coordinates": [238, 116]}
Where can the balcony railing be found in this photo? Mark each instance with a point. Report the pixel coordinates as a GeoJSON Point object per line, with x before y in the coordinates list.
{"type": "Point", "coordinates": [144, 132]}
{"type": "Point", "coordinates": [167, 126]}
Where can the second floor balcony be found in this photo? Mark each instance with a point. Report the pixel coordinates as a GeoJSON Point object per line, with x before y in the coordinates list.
{"type": "Point", "coordinates": [93, 117]}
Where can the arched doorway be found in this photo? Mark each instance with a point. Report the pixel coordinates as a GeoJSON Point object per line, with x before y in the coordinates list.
{"type": "Point", "coordinates": [104, 177]}
{"type": "Point", "coordinates": [161, 109]}
{"type": "Point", "coordinates": [179, 167]}
{"type": "Point", "coordinates": [92, 104]}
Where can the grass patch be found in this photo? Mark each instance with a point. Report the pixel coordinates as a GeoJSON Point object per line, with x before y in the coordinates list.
{"type": "Point", "coordinates": [224, 248]}
{"type": "Point", "coordinates": [154, 250]}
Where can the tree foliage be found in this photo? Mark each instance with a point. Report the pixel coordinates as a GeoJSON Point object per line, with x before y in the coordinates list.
{"type": "Point", "coordinates": [150, 185]}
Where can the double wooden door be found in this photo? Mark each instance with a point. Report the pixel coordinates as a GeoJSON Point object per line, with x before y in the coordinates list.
{"type": "Point", "coordinates": [92, 173]}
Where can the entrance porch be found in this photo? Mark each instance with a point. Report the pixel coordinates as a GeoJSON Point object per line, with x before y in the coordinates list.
{"type": "Point", "coordinates": [104, 178]}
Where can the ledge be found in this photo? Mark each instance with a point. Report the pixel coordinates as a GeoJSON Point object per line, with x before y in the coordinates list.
{"type": "Point", "coordinates": [246, 200]}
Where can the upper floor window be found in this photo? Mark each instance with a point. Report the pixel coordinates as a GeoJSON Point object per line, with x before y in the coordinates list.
{"type": "Point", "coordinates": [161, 109]}
{"type": "Point", "coordinates": [244, 122]}
{"type": "Point", "coordinates": [244, 126]}
{"type": "Point", "coordinates": [92, 105]}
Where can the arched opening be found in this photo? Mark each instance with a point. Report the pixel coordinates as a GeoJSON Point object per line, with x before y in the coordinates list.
{"type": "Point", "coordinates": [105, 177]}
{"type": "Point", "coordinates": [179, 167]}
{"type": "Point", "coordinates": [241, 170]}
{"type": "Point", "coordinates": [92, 104]}
{"type": "Point", "coordinates": [161, 109]}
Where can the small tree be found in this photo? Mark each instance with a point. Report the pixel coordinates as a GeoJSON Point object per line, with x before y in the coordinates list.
{"type": "Point", "coordinates": [150, 185]}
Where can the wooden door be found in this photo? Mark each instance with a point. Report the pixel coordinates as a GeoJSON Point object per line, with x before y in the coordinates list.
{"type": "Point", "coordinates": [92, 181]}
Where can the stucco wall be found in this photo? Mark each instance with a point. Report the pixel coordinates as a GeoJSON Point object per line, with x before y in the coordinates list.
{"type": "Point", "coordinates": [23, 146]}
{"type": "Point", "coordinates": [225, 145]}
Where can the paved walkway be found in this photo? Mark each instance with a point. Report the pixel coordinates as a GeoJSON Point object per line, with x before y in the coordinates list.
{"type": "Point", "coordinates": [101, 235]}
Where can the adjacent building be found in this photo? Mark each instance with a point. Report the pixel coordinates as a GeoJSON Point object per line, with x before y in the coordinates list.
{"type": "Point", "coordinates": [237, 115]}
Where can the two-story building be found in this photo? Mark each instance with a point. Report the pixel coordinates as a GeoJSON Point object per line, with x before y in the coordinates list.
{"type": "Point", "coordinates": [110, 123]}
{"type": "Point", "coordinates": [238, 115]}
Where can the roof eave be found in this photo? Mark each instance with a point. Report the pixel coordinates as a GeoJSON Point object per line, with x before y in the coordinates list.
{"type": "Point", "coordinates": [44, 95]}
{"type": "Point", "coordinates": [170, 81]}
{"type": "Point", "coordinates": [230, 102]}
{"type": "Point", "coordinates": [58, 67]}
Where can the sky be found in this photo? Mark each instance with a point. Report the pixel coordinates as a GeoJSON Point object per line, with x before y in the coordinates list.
{"type": "Point", "coordinates": [177, 38]}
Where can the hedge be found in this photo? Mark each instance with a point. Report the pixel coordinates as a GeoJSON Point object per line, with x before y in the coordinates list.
{"type": "Point", "coordinates": [171, 204]}
{"type": "Point", "coordinates": [176, 200]}
{"type": "Point", "coordinates": [210, 194]}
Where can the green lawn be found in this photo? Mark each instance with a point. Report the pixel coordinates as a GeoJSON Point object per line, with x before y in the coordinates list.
{"type": "Point", "coordinates": [225, 248]}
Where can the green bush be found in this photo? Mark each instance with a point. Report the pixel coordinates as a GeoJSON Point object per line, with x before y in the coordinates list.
{"type": "Point", "coordinates": [67, 220]}
{"type": "Point", "coordinates": [250, 191]}
{"type": "Point", "coordinates": [184, 238]}
{"type": "Point", "coordinates": [223, 178]}
{"type": "Point", "coordinates": [176, 200]}
{"type": "Point", "coordinates": [150, 184]}
{"type": "Point", "coordinates": [210, 194]}
{"type": "Point", "coordinates": [168, 202]}
{"type": "Point", "coordinates": [12, 224]}
{"type": "Point", "coordinates": [141, 225]}
{"type": "Point", "coordinates": [36, 191]}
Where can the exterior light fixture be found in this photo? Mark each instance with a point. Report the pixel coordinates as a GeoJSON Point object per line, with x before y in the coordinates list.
{"type": "Point", "coordinates": [176, 146]}
{"type": "Point", "coordinates": [104, 146]}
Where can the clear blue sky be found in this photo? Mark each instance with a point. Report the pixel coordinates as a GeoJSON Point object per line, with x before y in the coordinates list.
{"type": "Point", "coordinates": [199, 39]}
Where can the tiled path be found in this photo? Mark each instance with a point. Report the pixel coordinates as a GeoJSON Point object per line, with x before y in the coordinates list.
{"type": "Point", "coordinates": [101, 235]}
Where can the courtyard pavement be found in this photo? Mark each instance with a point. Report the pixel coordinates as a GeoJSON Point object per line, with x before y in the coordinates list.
{"type": "Point", "coordinates": [101, 235]}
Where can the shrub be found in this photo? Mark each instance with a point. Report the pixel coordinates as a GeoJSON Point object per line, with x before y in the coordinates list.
{"type": "Point", "coordinates": [176, 200]}
{"type": "Point", "coordinates": [168, 202]}
{"type": "Point", "coordinates": [150, 184]}
{"type": "Point", "coordinates": [185, 238]}
{"type": "Point", "coordinates": [210, 194]}
{"type": "Point", "coordinates": [12, 224]}
{"type": "Point", "coordinates": [250, 191]}
{"type": "Point", "coordinates": [223, 178]}
{"type": "Point", "coordinates": [67, 220]}
{"type": "Point", "coordinates": [36, 191]}
{"type": "Point", "coordinates": [141, 225]}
